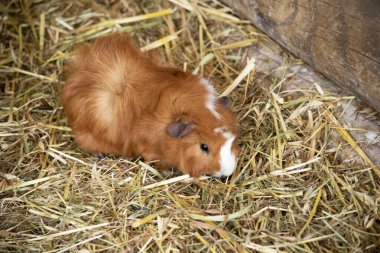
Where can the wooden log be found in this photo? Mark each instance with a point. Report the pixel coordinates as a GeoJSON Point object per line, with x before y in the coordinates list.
{"type": "Point", "coordinates": [339, 38]}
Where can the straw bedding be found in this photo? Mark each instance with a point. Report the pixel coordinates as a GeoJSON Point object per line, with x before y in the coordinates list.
{"type": "Point", "coordinates": [290, 192]}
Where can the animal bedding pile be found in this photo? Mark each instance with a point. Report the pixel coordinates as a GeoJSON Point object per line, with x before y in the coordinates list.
{"type": "Point", "coordinates": [291, 191]}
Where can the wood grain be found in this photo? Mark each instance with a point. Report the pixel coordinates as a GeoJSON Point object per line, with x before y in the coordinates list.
{"type": "Point", "coordinates": [339, 38]}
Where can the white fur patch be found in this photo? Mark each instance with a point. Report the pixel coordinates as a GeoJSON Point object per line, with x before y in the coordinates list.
{"type": "Point", "coordinates": [211, 98]}
{"type": "Point", "coordinates": [227, 160]}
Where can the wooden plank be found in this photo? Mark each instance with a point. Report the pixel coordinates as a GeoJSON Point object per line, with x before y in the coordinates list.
{"type": "Point", "coordinates": [339, 38]}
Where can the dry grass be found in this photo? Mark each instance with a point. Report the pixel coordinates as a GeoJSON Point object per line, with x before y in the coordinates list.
{"type": "Point", "coordinates": [290, 193]}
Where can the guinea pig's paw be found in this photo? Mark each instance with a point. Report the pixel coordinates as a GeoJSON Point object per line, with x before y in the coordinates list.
{"type": "Point", "coordinates": [167, 172]}
{"type": "Point", "coordinates": [217, 174]}
{"type": "Point", "coordinates": [100, 156]}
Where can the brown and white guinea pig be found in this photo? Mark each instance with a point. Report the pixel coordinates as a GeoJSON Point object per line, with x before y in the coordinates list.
{"type": "Point", "coordinates": [122, 101]}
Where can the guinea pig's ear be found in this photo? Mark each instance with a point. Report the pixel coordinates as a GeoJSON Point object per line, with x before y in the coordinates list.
{"type": "Point", "coordinates": [225, 101]}
{"type": "Point", "coordinates": [180, 128]}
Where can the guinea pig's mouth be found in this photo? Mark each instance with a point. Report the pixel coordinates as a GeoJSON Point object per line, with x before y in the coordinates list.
{"type": "Point", "coordinates": [218, 174]}
{"type": "Point", "coordinates": [221, 175]}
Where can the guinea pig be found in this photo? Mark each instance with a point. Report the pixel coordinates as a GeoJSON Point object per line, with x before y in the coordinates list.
{"type": "Point", "coordinates": [119, 100]}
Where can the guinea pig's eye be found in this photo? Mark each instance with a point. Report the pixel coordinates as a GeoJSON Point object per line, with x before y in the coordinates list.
{"type": "Point", "coordinates": [204, 148]}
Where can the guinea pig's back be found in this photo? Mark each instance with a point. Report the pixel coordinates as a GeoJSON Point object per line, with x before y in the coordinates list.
{"type": "Point", "coordinates": [96, 97]}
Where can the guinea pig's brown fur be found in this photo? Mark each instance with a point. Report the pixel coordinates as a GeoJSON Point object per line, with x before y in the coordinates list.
{"type": "Point", "coordinates": [122, 101]}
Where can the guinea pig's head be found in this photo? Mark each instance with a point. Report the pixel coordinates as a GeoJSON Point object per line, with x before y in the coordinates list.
{"type": "Point", "coordinates": [206, 136]}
